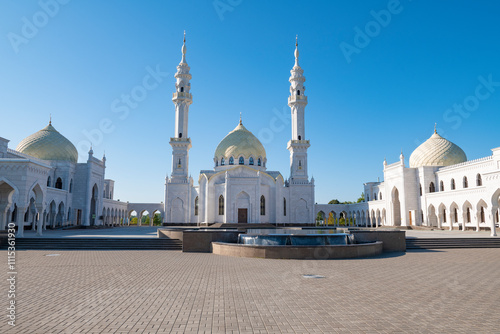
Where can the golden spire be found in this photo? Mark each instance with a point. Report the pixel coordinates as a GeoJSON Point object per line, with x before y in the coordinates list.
{"type": "Point", "coordinates": [435, 127]}
{"type": "Point", "coordinates": [240, 119]}
{"type": "Point", "coordinates": [50, 119]}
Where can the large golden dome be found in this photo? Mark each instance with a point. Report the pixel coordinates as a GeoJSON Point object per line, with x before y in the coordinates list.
{"type": "Point", "coordinates": [48, 144]}
{"type": "Point", "coordinates": [240, 142]}
{"type": "Point", "coordinates": [437, 151]}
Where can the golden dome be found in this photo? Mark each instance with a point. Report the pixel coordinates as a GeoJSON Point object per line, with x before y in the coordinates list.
{"type": "Point", "coordinates": [240, 142]}
{"type": "Point", "coordinates": [48, 144]}
{"type": "Point", "coordinates": [437, 151]}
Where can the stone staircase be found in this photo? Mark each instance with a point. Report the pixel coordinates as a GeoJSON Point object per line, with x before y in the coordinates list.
{"type": "Point", "coordinates": [96, 244]}
{"type": "Point", "coordinates": [444, 243]}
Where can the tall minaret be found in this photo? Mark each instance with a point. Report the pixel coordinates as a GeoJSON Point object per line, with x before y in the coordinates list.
{"type": "Point", "coordinates": [181, 143]}
{"type": "Point", "coordinates": [297, 102]}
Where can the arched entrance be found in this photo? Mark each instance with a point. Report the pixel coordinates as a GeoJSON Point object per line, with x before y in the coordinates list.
{"type": "Point", "coordinates": [243, 207]}
{"type": "Point", "coordinates": [93, 205]}
{"type": "Point", "coordinates": [6, 195]}
{"type": "Point", "coordinates": [177, 211]}
{"type": "Point", "coordinates": [396, 208]}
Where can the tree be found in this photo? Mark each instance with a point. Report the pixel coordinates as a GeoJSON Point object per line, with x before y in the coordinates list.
{"type": "Point", "coordinates": [334, 201]}
{"type": "Point", "coordinates": [362, 198]}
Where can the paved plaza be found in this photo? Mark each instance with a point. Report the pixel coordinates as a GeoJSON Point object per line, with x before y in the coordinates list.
{"type": "Point", "coordinates": [449, 291]}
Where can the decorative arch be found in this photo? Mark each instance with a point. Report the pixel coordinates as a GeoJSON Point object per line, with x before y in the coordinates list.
{"type": "Point", "coordinates": [196, 205]}
{"type": "Point", "coordinates": [431, 216]}
{"type": "Point", "coordinates": [221, 205]}
{"type": "Point", "coordinates": [59, 183]}
{"type": "Point", "coordinates": [262, 205]}
{"type": "Point", "coordinates": [396, 207]}
{"type": "Point", "coordinates": [177, 211]}
{"type": "Point", "coordinates": [432, 187]}
{"type": "Point", "coordinates": [479, 180]}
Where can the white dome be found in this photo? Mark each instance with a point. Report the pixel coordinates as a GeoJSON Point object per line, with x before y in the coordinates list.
{"type": "Point", "coordinates": [437, 151]}
{"type": "Point", "coordinates": [240, 142]}
{"type": "Point", "coordinates": [48, 144]}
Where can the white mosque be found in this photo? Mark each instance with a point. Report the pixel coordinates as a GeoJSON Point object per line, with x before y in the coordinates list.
{"type": "Point", "coordinates": [42, 185]}
{"type": "Point", "coordinates": [239, 188]}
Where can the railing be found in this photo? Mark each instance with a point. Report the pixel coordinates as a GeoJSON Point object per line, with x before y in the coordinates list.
{"type": "Point", "coordinates": [27, 156]}
{"type": "Point", "coordinates": [182, 95]}
{"type": "Point", "coordinates": [470, 162]}
{"type": "Point", "coordinates": [295, 98]}
{"type": "Point", "coordinates": [185, 140]}
{"type": "Point", "coordinates": [294, 141]}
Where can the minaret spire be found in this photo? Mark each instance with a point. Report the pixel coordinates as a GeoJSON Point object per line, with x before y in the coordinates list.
{"type": "Point", "coordinates": [297, 101]}
{"type": "Point", "coordinates": [296, 51]}
{"type": "Point", "coordinates": [183, 61]}
{"type": "Point", "coordinates": [182, 99]}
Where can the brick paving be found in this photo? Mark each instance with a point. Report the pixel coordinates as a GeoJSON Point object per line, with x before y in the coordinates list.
{"type": "Point", "coordinates": [450, 291]}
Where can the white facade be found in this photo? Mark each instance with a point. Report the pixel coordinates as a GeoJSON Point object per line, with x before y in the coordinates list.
{"type": "Point", "coordinates": [463, 195]}
{"type": "Point", "coordinates": [48, 188]}
{"type": "Point", "coordinates": [239, 188]}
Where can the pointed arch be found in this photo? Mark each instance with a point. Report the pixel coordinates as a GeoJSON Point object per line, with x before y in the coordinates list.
{"type": "Point", "coordinates": [396, 207]}
{"type": "Point", "coordinates": [196, 206]}
{"type": "Point", "coordinates": [221, 205]}
{"type": "Point", "coordinates": [262, 205]}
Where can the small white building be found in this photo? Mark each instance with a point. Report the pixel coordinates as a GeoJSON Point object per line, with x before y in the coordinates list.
{"type": "Point", "coordinates": [440, 189]}
{"type": "Point", "coordinates": [239, 188]}
{"type": "Point", "coordinates": [42, 185]}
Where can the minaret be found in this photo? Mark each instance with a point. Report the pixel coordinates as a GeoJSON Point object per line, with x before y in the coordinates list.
{"type": "Point", "coordinates": [182, 99]}
{"type": "Point", "coordinates": [297, 102]}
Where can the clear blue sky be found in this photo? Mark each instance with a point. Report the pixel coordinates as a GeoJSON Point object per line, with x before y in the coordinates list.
{"type": "Point", "coordinates": [417, 64]}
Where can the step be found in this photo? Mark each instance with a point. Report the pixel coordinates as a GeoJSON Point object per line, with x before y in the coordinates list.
{"type": "Point", "coordinates": [97, 244]}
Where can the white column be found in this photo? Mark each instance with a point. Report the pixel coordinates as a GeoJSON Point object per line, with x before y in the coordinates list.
{"type": "Point", "coordinates": [20, 222]}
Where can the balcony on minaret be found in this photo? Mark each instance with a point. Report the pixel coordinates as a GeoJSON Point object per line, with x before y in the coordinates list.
{"type": "Point", "coordinates": [297, 98]}
{"type": "Point", "coordinates": [181, 95]}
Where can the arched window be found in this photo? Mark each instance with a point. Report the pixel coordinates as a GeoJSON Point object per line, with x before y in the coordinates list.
{"type": "Point", "coordinates": [432, 187]}
{"type": "Point", "coordinates": [452, 185]}
{"type": "Point", "coordinates": [180, 134]}
{"type": "Point", "coordinates": [284, 206]}
{"type": "Point", "coordinates": [196, 206]}
{"type": "Point", "coordinates": [231, 161]}
{"type": "Point", "coordinates": [466, 183]}
{"type": "Point", "coordinates": [298, 92]}
{"type": "Point", "coordinates": [262, 205]}
{"type": "Point", "coordinates": [375, 196]}
{"type": "Point", "coordinates": [479, 180]}
{"type": "Point", "coordinates": [441, 186]}
{"type": "Point", "coordinates": [221, 205]}
{"type": "Point", "coordinates": [250, 161]}
{"type": "Point", "coordinates": [241, 161]}
{"type": "Point", "coordinates": [216, 163]}
{"type": "Point", "coordinates": [71, 186]}
{"type": "Point", "coordinates": [59, 183]}
{"type": "Point", "coordinates": [300, 138]}
{"type": "Point", "coordinates": [367, 198]}
{"type": "Point", "coordinates": [420, 189]}
{"type": "Point", "coordinates": [222, 162]}
{"type": "Point", "coordinates": [259, 162]}
{"type": "Point", "coordinates": [182, 89]}
{"type": "Point", "coordinates": [380, 196]}
{"type": "Point", "coordinates": [48, 181]}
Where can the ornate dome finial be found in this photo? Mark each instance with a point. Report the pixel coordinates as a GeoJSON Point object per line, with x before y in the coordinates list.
{"type": "Point", "coordinates": [184, 48]}
{"type": "Point", "coordinates": [240, 119]}
{"type": "Point", "coordinates": [297, 50]}
{"type": "Point", "coordinates": [435, 127]}
{"type": "Point", "coordinates": [50, 119]}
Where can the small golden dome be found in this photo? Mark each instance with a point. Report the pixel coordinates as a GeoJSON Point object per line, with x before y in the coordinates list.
{"type": "Point", "coordinates": [240, 142]}
{"type": "Point", "coordinates": [48, 144]}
